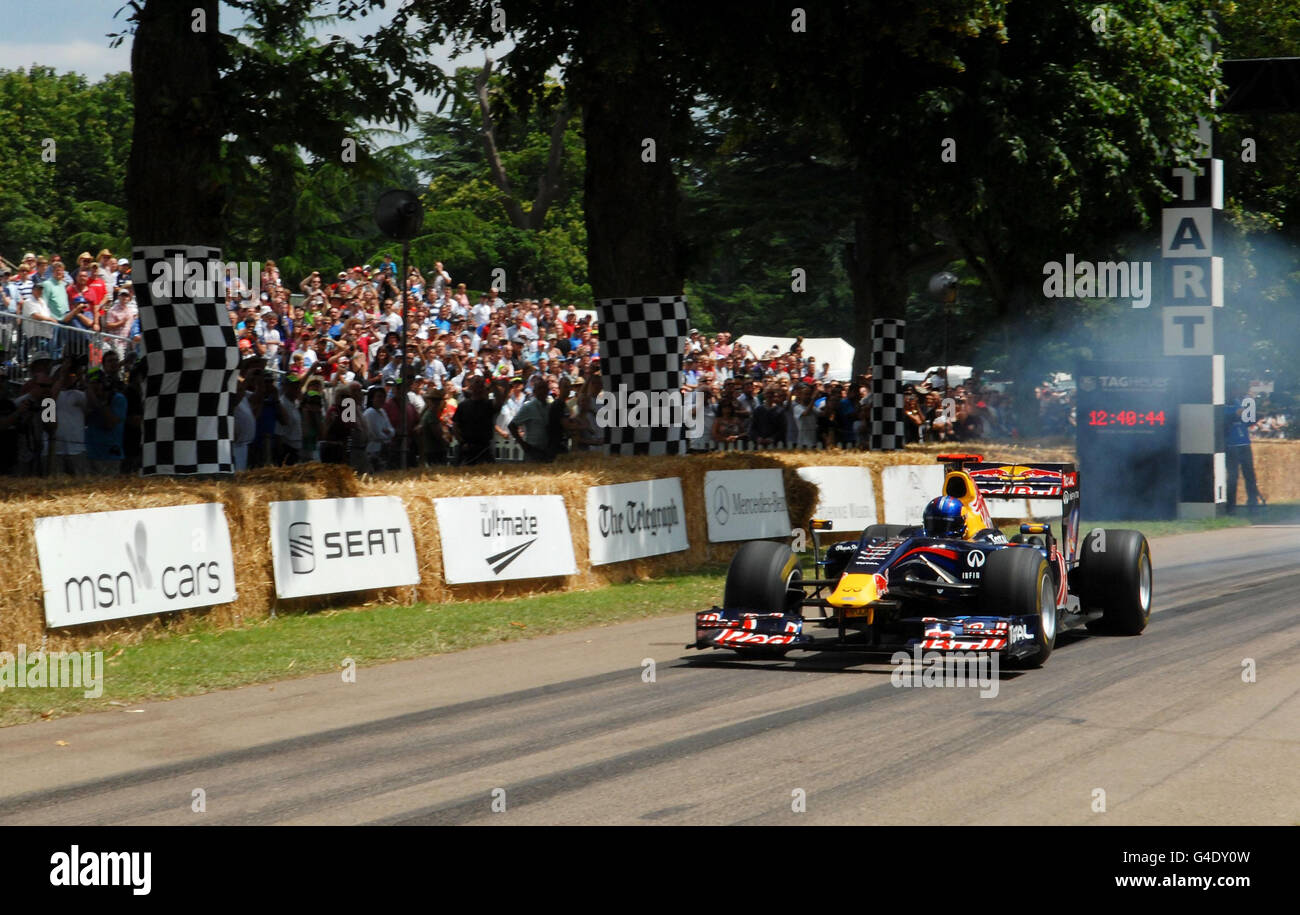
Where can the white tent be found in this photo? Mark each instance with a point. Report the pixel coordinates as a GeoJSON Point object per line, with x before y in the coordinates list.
{"type": "Point", "coordinates": [957, 374]}
{"type": "Point", "coordinates": [822, 349]}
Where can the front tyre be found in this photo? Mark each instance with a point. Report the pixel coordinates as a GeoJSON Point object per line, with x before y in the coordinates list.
{"type": "Point", "coordinates": [764, 577]}
{"type": "Point", "coordinates": [1018, 582]}
{"type": "Point", "coordinates": [1116, 577]}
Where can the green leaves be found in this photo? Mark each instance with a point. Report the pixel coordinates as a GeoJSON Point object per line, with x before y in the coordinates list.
{"type": "Point", "coordinates": [63, 149]}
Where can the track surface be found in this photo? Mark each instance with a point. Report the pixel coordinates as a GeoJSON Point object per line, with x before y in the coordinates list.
{"type": "Point", "coordinates": [1163, 723]}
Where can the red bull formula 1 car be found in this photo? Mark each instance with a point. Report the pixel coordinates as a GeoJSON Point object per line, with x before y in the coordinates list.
{"type": "Point", "coordinates": [953, 583]}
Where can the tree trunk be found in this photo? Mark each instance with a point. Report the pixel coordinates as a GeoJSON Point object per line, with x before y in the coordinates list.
{"type": "Point", "coordinates": [877, 271]}
{"type": "Point", "coordinates": [174, 194]}
{"type": "Point", "coordinates": [631, 204]}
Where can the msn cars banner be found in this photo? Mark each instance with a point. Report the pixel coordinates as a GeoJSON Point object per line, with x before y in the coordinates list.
{"type": "Point", "coordinates": [111, 565]}
{"type": "Point", "coordinates": [499, 538]}
{"type": "Point", "coordinates": [845, 496]}
{"type": "Point", "coordinates": [328, 546]}
{"type": "Point", "coordinates": [632, 520]}
{"type": "Point", "coordinates": [745, 505]}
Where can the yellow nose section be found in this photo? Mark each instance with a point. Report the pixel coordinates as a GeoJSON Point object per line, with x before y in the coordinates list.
{"type": "Point", "coordinates": [854, 592]}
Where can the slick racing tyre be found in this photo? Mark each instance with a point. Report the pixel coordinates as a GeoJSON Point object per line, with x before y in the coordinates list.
{"type": "Point", "coordinates": [764, 577]}
{"type": "Point", "coordinates": [1017, 582]}
{"type": "Point", "coordinates": [1116, 578]}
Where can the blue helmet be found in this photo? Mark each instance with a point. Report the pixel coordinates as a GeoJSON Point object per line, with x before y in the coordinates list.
{"type": "Point", "coordinates": [943, 518]}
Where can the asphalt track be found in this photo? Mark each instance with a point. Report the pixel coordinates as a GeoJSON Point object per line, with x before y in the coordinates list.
{"type": "Point", "coordinates": [569, 729]}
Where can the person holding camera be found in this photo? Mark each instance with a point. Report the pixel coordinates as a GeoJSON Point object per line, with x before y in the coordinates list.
{"type": "Point", "coordinates": [69, 424]}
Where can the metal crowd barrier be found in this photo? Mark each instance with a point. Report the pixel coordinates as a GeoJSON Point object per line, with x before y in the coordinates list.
{"type": "Point", "coordinates": [24, 339]}
{"type": "Point", "coordinates": [781, 446]}
{"type": "Point", "coordinates": [501, 451]}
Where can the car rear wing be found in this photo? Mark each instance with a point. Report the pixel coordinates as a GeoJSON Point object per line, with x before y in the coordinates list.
{"type": "Point", "coordinates": [1003, 480]}
{"type": "Point", "coordinates": [1034, 480]}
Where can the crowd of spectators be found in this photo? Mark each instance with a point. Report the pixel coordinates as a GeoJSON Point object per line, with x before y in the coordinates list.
{"type": "Point", "coordinates": [320, 369]}
{"type": "Point", "coordinates": [94, 295]}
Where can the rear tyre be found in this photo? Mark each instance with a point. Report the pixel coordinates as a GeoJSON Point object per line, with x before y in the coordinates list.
{"type": "Point", "coordinates": [764, 577]}
{"type": "Point", "coordinates": [1017, 582]}
{"type": "Point", "coordinates": [1116, 578]}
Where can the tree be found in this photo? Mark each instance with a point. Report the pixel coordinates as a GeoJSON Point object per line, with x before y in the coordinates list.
{"type": "Point", "coordinates": [534, 153]}
{"type": "Point", "coordinates": [63, 155]}
{"type": "Point", "coordinates": [628, 67]}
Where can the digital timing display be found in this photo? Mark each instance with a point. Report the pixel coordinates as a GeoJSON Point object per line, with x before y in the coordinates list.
{"type": "Point", "coordinates": [1126, 418]}
{"type": "Point", "coordinates": [1127, 427]}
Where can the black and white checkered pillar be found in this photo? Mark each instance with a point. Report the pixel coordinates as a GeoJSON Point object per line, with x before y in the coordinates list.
{"type": "Point", "coordinates": [641, 342]}
{"type": "Point", "coordinates": [1193, 295]}
{"type": "Point", "coordinates": [887, 430]}
{"type": "Point", "coordinates": [191, 358]}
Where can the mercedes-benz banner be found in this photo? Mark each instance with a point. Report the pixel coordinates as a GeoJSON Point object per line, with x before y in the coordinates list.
{"type": "Point", "coordinates": [499, 538]}
{"type": "Point", "coordinates": [329, 546]}
{"type": "Point", "coordinates": [633, 520]}
{"type": "Point", "coordinates": [111, 565]}
{"type": "Point", "coordinates": [845, 496]}
{"type": "Point", "coordinates": [745, 505]}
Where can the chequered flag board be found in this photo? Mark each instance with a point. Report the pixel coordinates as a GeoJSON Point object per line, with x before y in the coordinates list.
{"type": "Point", "coordinates": [641, 342]}
{"type": "Point", "coordinates": [887, 430]}
{"type": "Point", "coordinates": [191, 358]}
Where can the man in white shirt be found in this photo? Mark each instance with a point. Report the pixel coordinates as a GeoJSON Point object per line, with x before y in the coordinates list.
{"type": "Point", "coordinates": [70, 432]}
{"type": "Point", "coordinates": [40, 323]}
{"type": "Point", "coordinates": [481, 313]}
{"type": "Point", "coordinates": [435, 370]}
{"type": "Point", "coordinates": [509, 409]}
{"type": "Point", "coordinates": [379, 430]}
{"type": "Point", "coordinates": [394, 318]}
{"type": "Point", "coordinates": [441, 280]}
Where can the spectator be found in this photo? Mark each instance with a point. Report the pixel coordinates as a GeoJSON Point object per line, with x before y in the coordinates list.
{"type": "Point", "coordinates": [532, 417]}
{"type": "Point", "coordinates": [245, 418]}
{"type": "Point", "coordinates": [56, 292]}
{"type": "Point", "coordinates": [105, 422]}
{"type": "Point", "coordinates": [474, 422]}
{"type": "Point", "coordinates": [509, 407]}
{"type": "Point", "coordinates": [1236, 439]}
{"type": "Point", "coordinates": [767, 427]}
{"type": "Point", "coordinates": [379, 429]}
{"type": "Point", "coordinates": [728, 428]}
{"type": "Point", "coordinates": [430, 431]}
{"type": "Point", "coordinates": [805, 417]}
{"type": "Point", "coordinates": [70, 422]}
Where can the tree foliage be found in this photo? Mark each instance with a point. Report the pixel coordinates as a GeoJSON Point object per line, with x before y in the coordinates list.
{"type": "Point", "coordinates": [63, 148]}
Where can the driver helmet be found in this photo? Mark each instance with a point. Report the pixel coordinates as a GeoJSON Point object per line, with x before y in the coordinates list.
{"type": "Point", "coordinates": [943, 518]}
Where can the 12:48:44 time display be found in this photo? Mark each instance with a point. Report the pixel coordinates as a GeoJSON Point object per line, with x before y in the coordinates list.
{"type": "Point", "coordinates": [1128, 418]}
